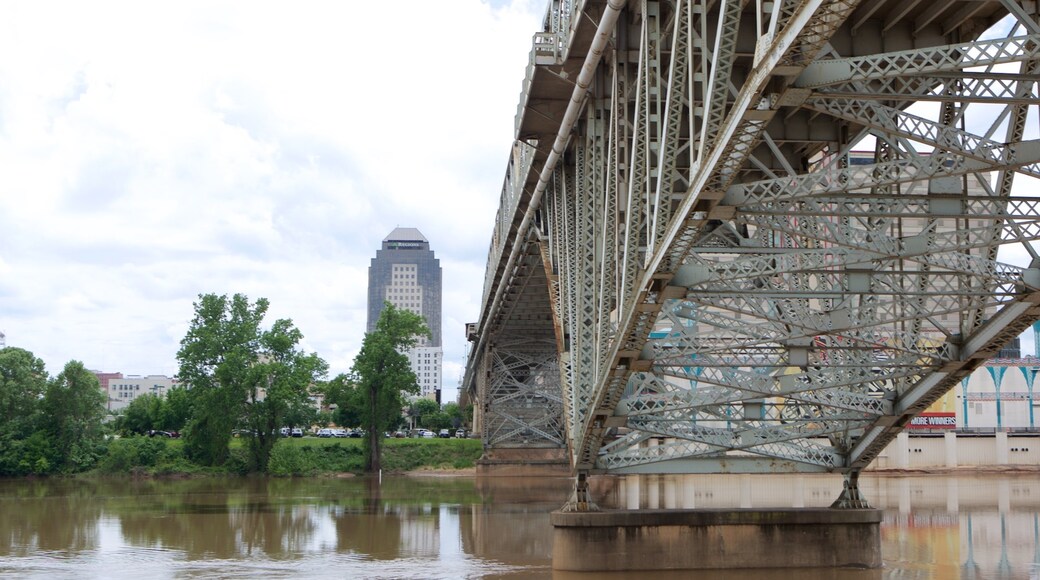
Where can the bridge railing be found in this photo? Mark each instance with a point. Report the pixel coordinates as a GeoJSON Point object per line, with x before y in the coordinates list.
{"type": "Point", "coordinates": [517, 169]}
{"type": "Point", "coordinates": [548, 47]}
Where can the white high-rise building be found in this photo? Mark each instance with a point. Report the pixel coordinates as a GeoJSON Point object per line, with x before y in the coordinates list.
{"type": "Point", "coordinates": [406, 274]}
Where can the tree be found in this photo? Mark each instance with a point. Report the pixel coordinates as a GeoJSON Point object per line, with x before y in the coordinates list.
{"type": "Point", "coordinates": [383, 374]}
{"type": "Point", "coordinates": [279, 395]}
{"type": "Point", "coordinates": [75, 407]}
{"type": "Point", "coordinates": [238, 373]}
{"type": "Point", "coordinates": [350, 405]}
{"type": "Point", "coordinates": [141, 415]}
{"type": "Point", "coordinates": [421, 410]}
{"type": "Point", "coordinates": [176, 409]}
{"type": "Point", "coordinates": [23, 381]}
{"type": "Point", "coordinates": [455, 414]}
{"type": "Point", "coordinates": [215, 359]}
{"type": "Point", "coordinates": [436, 421]}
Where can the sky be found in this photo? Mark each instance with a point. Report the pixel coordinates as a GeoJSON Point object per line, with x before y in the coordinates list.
{"type": "Point", "coordinates": [153, 152]}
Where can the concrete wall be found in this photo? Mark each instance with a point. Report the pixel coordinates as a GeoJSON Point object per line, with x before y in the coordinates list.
{"type": "Point", "coordinates": [957, 450]}
{"type": "Point", "coordinates": [517, 462]}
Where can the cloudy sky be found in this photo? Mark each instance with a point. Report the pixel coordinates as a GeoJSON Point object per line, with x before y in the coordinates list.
{"type": "Point", "coordinates": [150, 152]}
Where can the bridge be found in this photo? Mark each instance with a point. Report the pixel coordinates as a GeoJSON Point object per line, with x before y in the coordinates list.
{"type": "Point", "coordinates": [749, 236]}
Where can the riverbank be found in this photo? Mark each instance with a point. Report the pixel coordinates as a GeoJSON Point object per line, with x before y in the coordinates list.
{"type": "Point", "coordinates": [308, 456]}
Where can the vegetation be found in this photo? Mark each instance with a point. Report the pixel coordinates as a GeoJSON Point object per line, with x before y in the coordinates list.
{"type": "Point", "coordinates": [48, 425]}
{"type": "Point", "coordinates": [151, 412]}
{"type": "Point", "coordinates": [139, 455]}
{"type": "Point", "coordinates": [242, 376]}
{"type": "Point", "coordinates": [381, 376]}
{"type": "Point", "coordinates": [243, 379]}
{"type": "Point", "coordinates": [428, 415]}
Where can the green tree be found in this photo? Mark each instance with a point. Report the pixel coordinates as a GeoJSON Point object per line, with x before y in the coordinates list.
{"type": "Point", "coordinates": [350, 405]}
{"type": "Point", "coordinates": [455, 415]}
{"type": "Point", "coordinates": [74, 407]}
{"type": "Point", "coordinates": [421, 409]}
{"type": "Point", "coordinates": [23, 381]}
{"type": "Point", "coordinates": [436, 421]}
{"type": "Point", "coordinates": [323, 418]}
{"type": "Point", "coordinates": [279, 395]}
{"type": "Point", "coordinates": [141, 415]}
{"type": "Point", "coordinates": [383, 375]}
{"type": "Point", "coordinates": [215, 359]}
{"type": "Point", "coordinates": [176, 409]}
{"type": "Point", "coordinates": [239, 373]}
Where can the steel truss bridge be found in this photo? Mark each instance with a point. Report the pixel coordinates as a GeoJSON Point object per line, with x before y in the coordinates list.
{"type": "Point", "coordinates": [741, 236]}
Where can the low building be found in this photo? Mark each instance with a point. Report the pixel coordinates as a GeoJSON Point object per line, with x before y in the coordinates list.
{"type": "Point", "coordinates": [122, 390]}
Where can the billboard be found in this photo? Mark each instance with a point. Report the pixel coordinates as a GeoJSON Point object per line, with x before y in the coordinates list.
{"type": "Point", "coordinates": [933, 420]}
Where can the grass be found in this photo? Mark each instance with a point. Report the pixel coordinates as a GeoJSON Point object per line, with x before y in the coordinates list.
{"type": "Point", "coordinates": [292, 456]}
{"type": "Point", "coordinates": [347, 455]}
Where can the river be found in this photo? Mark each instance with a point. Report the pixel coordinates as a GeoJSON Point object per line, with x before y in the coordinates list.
{"type": "Point", "coordinates": [935, 526]}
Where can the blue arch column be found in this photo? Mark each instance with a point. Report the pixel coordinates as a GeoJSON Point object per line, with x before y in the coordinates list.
{"type": "Point", "coordinates": [1030, 374]}
{"type": "Point", "coordinates": [964, 400]}
{"type": "Point", "coordinates": [997, 374]}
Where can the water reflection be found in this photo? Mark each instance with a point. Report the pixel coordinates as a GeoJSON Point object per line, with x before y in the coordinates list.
{"type": "Point", "coordinates": [933, 527]}
{"type": "Point", "coordinates": [429, 527]}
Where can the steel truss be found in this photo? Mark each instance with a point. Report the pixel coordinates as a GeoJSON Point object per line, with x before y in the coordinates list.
{"type": "Point", "coordinates": [737, 289]}
{"type": "Point", "coordinates": [524, 404]}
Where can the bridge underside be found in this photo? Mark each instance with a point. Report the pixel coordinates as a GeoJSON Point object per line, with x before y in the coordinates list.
{"type": "Point", "coordinates": [519, 398]}
{"type": "Point", "coordinates": [765, 235]}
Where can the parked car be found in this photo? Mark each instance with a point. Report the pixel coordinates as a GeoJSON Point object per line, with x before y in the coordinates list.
{"type": "Point", "coordinates": [399, 434]}
{"type": "Point", "coordinates": [339, 433]}
{"type": "Point", "coordinates": [460, 434]}
{"type": "Point", "coordinates": [324, 433]}
{"type": "Point", "coordinates": [427, 435]}
{"type": "Point", "coordinates": [444, 434]}
{"type": "Point", "coordinates": [297, 432]}
{"type": "Point", "coordinates": [356, 433]}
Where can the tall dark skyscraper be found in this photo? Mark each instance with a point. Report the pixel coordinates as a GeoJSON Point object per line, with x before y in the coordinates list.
{"type": "Point", "coordinates": [406, 274]}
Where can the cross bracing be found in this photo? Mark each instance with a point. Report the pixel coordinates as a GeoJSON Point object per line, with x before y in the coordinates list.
{"type": "Point", "coordinates": [773, 232]}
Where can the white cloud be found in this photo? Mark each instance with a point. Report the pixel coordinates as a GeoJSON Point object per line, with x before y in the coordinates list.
{"type": "Point", "coordinates": [149, 153]}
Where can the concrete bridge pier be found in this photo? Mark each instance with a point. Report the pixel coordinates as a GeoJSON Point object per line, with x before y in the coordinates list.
{"type": "Point", "coordinates": [587, 539]}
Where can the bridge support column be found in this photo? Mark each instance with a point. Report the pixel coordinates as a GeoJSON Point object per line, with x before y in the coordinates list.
{"type": "Point", "coordinates": [850, 497]}
{"type": "Point", "coordinates": [580, 500]}
{"type": "Point", "coordinates": [715, 539]}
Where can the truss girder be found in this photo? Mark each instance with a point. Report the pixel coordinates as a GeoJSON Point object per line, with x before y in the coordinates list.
{"type": "Point", "coordinates": [897, 122]}
{"type": "Point", "coordinates": [806, 451]}
{"type": "Point", "coordinates": [727, 335]}
{"type": "Point", "coordinates": [948, 58]}
{"type": "Point", "coordinates": [886, 174]}
{"type": "Point", "coordinates": [922, 245]}
{"type": "Point", "coordinates": [991, 89]}
{"type": "Point", "coordinates": [737, 289]}
{"type": "Point", "coordinates": [765, 273]}
{"type": "Point", "coordinates": [524, 401]}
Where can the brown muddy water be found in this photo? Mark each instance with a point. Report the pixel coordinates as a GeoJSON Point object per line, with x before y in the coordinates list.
{"type": "Point", "coordinates": [935, 526]}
